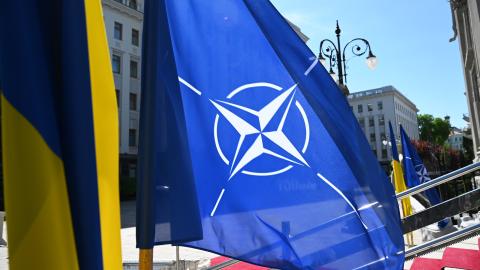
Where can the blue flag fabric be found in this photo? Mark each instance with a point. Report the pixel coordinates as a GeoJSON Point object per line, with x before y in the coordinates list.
{"type": "Point", "coordinates": [167, 210]}
{"type": "Point", "coordinates": [410, 172]}
{"type": "Point", "coordinates": [416, 173]}
{"type": "Point", "coordinates": [283, 173]}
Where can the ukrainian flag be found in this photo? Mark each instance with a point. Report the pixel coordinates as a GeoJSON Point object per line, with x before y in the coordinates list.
{"type": "Point", "coordinates": [398, 179]}
{"type": "Point", "coordinates": [59, 136]}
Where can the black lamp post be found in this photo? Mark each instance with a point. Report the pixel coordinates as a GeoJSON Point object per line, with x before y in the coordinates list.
{"type": "Point", "coordinates": [336, 56]}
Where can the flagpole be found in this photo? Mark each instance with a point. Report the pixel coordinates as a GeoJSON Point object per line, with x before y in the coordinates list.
{"type": "Point", "coordinates": [177, 258]}
{"type": "Point", "coordinates": [409, 235]}
{"type": "Point", "coordinates": [145, 260]}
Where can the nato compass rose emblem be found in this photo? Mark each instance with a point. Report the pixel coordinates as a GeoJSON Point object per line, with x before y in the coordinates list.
{"type": "Point", "coordinates": [264, 125]}
{"type": "Point", "coordinates": [257, 129]}
{"type": "Point", "coordinates": [422, 173]}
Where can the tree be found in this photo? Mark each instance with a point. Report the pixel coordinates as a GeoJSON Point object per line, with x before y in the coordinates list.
{"type": "Point", "coordinates": [433, 129]}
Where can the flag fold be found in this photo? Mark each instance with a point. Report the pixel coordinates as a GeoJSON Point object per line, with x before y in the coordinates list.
{"type": "Point", "coordinates": [283, 174]}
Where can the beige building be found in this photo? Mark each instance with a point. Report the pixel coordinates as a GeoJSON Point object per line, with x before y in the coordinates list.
{"type": "Point", "coordinates": [466, 26]}
{"type": "Point", "coordinates": [374, 108]}
{"type": "Point", "coordinates": [455, 139]}
{"type": "Point", "coordinates": [123, 23]}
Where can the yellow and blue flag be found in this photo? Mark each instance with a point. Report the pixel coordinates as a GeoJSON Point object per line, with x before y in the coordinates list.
{"type": "Point", "coordinates": [398, 179]}
{"type": "Point", "coordinates": [59, 136]}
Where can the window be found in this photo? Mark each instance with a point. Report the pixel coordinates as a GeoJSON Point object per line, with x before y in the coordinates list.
{"type": "Point", "coordinates": [380, 105]}
{"type": "Point", "coordinates": [117, 33]}
{"type": "Point", "coordinates": [384, 153]}
{"type": "Point", "coordinates": [369, 107]}
{"type": "Point", "coordinates": [133, 69]}
{"type": "Point", "coordinates": [132, 170]}
{"type": "Point", "coordinates": [132, 137]}
{"type": "Point", "coordinates": [371, 122]}
{"type": "Point", "coordinates": [361, 121]}
{"type": "Point", "coordinates": [372, 137]}
{"type": "Point", "coordinates": [117, 94]}
{"type": "Point", "coordinates": [135, 37]}
{"type": "Point", "coordinates": [383, 137]}
{"type": "Point", "coordinates": [116, 64]}
{"type": "Point", "coordinates": [133, 101]}
{"type": "Point", "coordinates": [360, 108]}
{"type": "Point", "coordinates": [381, 120]}
{"type": "Point", "coordinates": [132, 4]}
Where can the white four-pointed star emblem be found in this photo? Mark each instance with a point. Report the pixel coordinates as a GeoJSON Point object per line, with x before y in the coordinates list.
{"type": "Point", "coordinates": [422, 173]}
{"type": "Point", "coordinates": [261, 131]}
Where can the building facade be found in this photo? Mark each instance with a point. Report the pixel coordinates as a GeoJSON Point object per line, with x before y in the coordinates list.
{"type": "Point", "coordinates": [455, 139]}
{"type": "Point", "coordinates": [466, 26]}
{"type": "Point", "coordinates": [375, 108]}
{"type": "Point", "coordinates": [123, 23]}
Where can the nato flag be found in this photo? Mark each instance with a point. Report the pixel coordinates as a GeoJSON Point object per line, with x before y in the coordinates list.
{"type": "Point", "coordinates": [416, 173]}
{"type": "Point", "coordinates": [283, 174]}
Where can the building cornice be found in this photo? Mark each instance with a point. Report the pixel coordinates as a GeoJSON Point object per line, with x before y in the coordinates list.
{"type": "Point", "coordinates": [406, 100]}
{"type": "Point", "coordinates": [124, 9]}
{"type": "Point", "coordinates": [380, 92]}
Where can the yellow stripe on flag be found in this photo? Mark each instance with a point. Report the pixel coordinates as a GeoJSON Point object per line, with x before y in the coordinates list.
{"type": "Point", "coordinates": [40, 230]}
{"type": "Point", "coordinates": [400, 186]}
{"type": "Point", "coordinates": [105, 119]}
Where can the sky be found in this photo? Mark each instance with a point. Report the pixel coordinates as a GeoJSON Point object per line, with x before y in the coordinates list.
{"type": "Point", "coordinates": [409, 38]}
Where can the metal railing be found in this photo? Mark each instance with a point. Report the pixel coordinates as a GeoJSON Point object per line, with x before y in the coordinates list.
{"type": "Point", "coordinates": [440, 242]}
{"type": "Point", "coordinates": [439, 180]}
{"type": "Point", "coordinates": [223, 264]}
{"type": "Point", "coordinates": [430, 245]}
{"type": "Point", "coordinates": [458, 204]}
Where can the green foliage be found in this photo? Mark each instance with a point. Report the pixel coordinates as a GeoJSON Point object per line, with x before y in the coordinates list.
{"type": "Point", "coordinates": [433, 129]}
{"type": "Point", "coordinates": [425, 126]}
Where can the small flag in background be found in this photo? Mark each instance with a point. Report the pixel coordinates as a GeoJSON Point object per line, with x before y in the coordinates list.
{"type": "Point", "coordinates": [59, 136]}
{"type": "Point", "coordinates": [416, 173]}
{"type": "Point", "coordinates": [398, 179]}
{"type": "Point", "coordinates": [283, 174]}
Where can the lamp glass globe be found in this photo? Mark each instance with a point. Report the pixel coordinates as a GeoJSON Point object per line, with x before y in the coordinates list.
{"type": "Point", "coordinates": [372, 62]}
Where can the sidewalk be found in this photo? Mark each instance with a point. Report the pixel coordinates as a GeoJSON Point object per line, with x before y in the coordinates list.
{"type": "Point", "coordinates": [165, 254]}
{"type": "Point", "coordinates": [161, 254]}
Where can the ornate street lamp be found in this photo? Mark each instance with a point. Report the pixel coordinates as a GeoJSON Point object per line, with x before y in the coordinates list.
{"type": "Point", "coordinates": [336, 57]}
